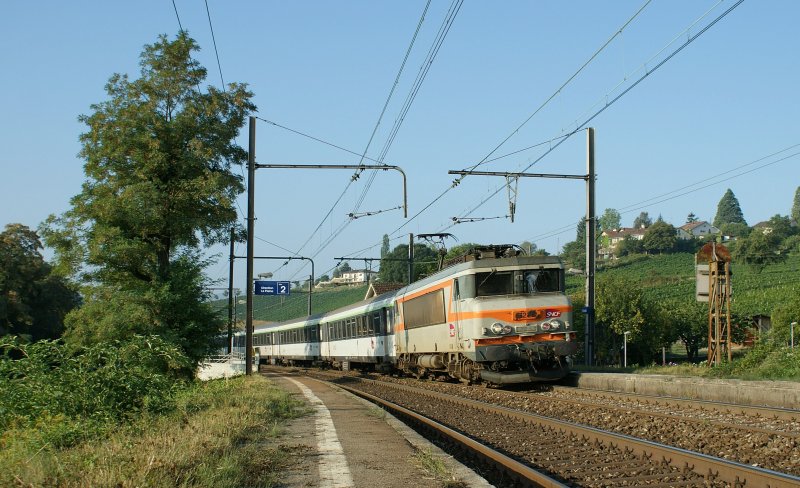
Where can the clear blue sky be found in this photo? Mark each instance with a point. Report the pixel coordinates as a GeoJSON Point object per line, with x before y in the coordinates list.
{"type": "Point", "coordinates": [326, 68]}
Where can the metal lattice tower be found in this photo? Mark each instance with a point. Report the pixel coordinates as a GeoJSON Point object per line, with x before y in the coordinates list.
{"type": "Point", "coordinates": [719, 300]}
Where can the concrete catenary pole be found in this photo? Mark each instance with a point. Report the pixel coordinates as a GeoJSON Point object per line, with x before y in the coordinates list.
{"type": "Point", "coordinates": [590, 248]}
{"type": "Point", "coordinates": [410, 258]}
{"type": "Point", "coordinates": [231, 302]}
{"type": "Point", "coordinates": [251, 173]}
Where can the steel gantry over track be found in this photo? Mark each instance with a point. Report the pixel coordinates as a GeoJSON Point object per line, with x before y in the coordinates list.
{"type": "Point", "coordinates": [591, 227]}
{"type": "Point", "coordinates": [251, 172]}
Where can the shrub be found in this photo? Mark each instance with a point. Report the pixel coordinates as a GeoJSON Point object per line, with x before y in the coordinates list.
{"type": "Point", "coordinates": [71, 393]}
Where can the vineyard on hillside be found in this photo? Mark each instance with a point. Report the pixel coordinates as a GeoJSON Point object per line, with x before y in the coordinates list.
{"type": "Point", "coordinates": [668, 277]}
{"type": "Point", "coordinates": [271, 308]}
{"type": "Point", "coordinates": [671, 277]}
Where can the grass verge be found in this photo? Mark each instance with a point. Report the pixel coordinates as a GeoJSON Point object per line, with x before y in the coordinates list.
{"type": "Point", "coordinates": [222, 434]}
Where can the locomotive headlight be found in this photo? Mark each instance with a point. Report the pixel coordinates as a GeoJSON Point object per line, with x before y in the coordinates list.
{"type": "Point", "coordinates": [506, 329]}
{"type": "Point", "coordinates": [544, 326]}
{"type": "Point", "coordinates": [555, 324]}
{"type": "Point", "coordinates": [497, 328]}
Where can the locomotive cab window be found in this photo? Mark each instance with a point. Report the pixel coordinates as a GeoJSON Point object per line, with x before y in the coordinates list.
{"type": "Point", "coordinates": [495, 283]}
{"type": "Point", "coordinates": [518, 282]}
{"type": "Point", "coordinates": [540, 280]}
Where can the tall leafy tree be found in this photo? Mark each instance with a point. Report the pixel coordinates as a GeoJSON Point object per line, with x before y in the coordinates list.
{"type": "Point", "coordinates": [395, 267]}
{"type": "Point", "coordinates": [610, 219]}
{"type": "Point", "coordinates": [691, 218]}
{"type": "Point", "coordinates": [728, 211]}
{"type": "Point", "coordinates": [158, 185]}
{"type": "Point", "coordinates": [759, 250]}
{"type": "Point", "coordinates": [385, 245]}
{"type": "Point", "coordinates": [33, 301]}
{"type": "Point", "coordinates": [796, 206]}
{"type": "Point", "coordinates": [660, 237]}
{"type": "Point", "coordinates": [642, 221]}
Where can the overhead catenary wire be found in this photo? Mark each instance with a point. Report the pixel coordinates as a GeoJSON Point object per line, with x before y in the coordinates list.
{"type": "Point", "coordinates": [394, 85]}
{"type": "Point", "coordinates": [563, 85]}
{"type": "Point", "coordinates": [486, 159]}
{"type": "Point", "coordinates": [561, 138]}
{"type": "Point", "coordinates": [639, 205]}
{"type": "Point", "coordinates": [175, 7]}
{"type": "Point", "coordinates": [423, 71]}
{"type": "Point", "coordinates": [608, 104]}
{"type": "Point", "coordinates": [214, 41]}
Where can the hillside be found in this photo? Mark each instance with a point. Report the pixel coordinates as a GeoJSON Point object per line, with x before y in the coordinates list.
{"type": "Point", "coordinates": [668, 276]}
{"type": "Point", "coordinates": [671, 276]}
{"type": "Point", "coordinates": [277, 308]}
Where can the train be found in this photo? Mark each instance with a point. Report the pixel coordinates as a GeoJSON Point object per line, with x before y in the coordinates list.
{"type": "Point", "coordinates": [494, 316]}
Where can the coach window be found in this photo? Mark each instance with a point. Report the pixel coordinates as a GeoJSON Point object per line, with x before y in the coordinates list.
{"type": "Point", "coordinates": [362, 327]}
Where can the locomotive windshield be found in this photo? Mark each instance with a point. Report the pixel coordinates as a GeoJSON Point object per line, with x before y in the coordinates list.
{"type": "Point", "coordinates": [518, 282]}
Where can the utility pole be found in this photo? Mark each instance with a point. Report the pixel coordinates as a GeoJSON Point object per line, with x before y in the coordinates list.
{"type": "Point", "coordinates": [251, 172]}
{"type": "Point", "coordinates": [251, 204]}
{"type": "Point", "coordinates": [410, 258]}
{"type": "Point", "coordinates": [591, 248]}
{"type": "Point", "coordinates": [231, 303]}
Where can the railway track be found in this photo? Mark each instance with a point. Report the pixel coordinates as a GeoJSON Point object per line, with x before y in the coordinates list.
{"type": "Point", "coordinates": [561, 450]}
{"type": "Point", "coordinates": [782, 419]}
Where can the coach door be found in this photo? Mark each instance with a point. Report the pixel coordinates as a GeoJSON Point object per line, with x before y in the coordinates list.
{"type": "Point", "coordinates": [454, 317]}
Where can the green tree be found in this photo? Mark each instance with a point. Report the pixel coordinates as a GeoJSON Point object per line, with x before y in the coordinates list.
{"type": "Point", "coordinates": [759, 249]}
{"type": "Point", "coordinates": [734, 229]}
{"type": "Point", "coordinates": [691, 218]}
{"type": "Point", "coordinates": [796, 206]}
{"type": "Point", "coordinates": [642, 221]}
{"type": "Point", "coordinates": [660, 238]}
{"type": "Point", "coordinates": [685, 320]}
{"type": "Point", "coordinates": [159, 185]}
{"type": "Point", "coordinates": [462, 249]}
{"type": "Point", "coordinates": [395, 267]}
{"type": "Point", "coordinates": [629, 245]}
{"type": "Point", "coordinates": [33, 301]}
{"type": "Point", "coordinates": [385, 245]}
{"type": "Point", "coordinates": [619, 308]}
{"type": "Point", "coordinates": [728, 210]}
{"type": "Point", "coordinates": [610, 219]}
{"type": "Point", "coordinates": [781, 226]}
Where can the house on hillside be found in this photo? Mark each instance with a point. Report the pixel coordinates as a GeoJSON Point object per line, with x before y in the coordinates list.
{"type": "Point", "coordinates": [610, 238]}
{"type": "Point", "coordinates": [358, 276]}
{"type": "Point", "coordinates": [700, 229]}
{"type": "Point", "coordinates": [765, 227]}
{"type": "Point", "coordinates": [354, 277]}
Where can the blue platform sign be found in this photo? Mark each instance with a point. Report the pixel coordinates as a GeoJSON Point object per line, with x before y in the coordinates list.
{"type": "Point", "coordinates": [272, 287]}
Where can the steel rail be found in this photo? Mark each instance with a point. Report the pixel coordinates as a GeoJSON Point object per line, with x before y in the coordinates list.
{"type": "Point", "coordinates": [737, 474]}
{"type": "Point", "coordinates": [499, 460]}
{"type": "Point", "coordinates": [722, 407]}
